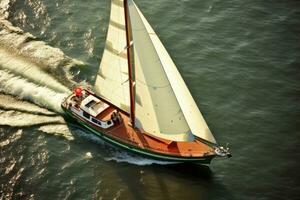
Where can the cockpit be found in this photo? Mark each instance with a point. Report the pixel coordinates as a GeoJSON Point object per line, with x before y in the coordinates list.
{"type": "Point", "coordinates": [93, 109]}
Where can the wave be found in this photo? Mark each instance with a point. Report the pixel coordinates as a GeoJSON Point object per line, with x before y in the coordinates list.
{"type": "Point", "coordinates": [22, 88]}
{"type": "Point", "coordinates": [22, 49]}
{"type": "Point", "coordinates": [30, 69]}
{"type": "Point", "coordinates": [14, 137]}
{"type": "Point", "coordinates": [57, 130]}
{"type": "Point", "coordinates": [121, 157]}
{"type": "Point", "coordinates": [8, 102]}
{"type": "Point", "coordinates": [4, 6]}
{"type": "Point", "coordinates": [20, 66]}
{"type": "Point", "coordinates": [19, 119]}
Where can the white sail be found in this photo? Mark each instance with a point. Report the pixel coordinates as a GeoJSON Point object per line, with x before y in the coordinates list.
{"type": "Point", "coordinates": [112, 78]}
{"type": "Point", "coordinates": [164, 106]}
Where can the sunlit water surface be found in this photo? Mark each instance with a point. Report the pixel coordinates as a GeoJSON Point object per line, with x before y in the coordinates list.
{"type": "Point", "coordinates": [240, 60]}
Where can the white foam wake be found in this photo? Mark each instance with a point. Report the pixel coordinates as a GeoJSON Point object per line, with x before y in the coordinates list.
{"type": "Point", "coordinates": [29, 70]}
{"type": "Point", "coordinates": [42, 96]}
{"type": "Point", "coordinates": [4, 6]}
{"type": "Point", "coordinates": [8, 102]}
{"type": "Point", "coordinates": [121, 156]}
{"type": "Point", "coordinates": [58, 130]}
{"type": "Point", "coordinates": [20, 119]}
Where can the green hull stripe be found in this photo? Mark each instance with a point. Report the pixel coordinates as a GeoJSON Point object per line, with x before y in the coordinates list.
{"type": "Point", "coordinates": [143, 152]}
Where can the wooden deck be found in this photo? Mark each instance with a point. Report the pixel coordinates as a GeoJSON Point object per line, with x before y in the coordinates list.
{"type": "Point", "coordinates": [125, 133]}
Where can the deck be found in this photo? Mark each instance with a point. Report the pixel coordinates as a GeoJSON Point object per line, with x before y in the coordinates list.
{"type": "Point", "coordinates": [125, 133]}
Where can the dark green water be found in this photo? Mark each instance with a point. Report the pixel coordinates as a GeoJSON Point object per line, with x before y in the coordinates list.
{"type": "Point", "coordinates": [240, 60]}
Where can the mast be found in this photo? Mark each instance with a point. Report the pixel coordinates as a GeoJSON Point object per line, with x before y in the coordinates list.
{"type": "Point", "coordinates": [130, 70]}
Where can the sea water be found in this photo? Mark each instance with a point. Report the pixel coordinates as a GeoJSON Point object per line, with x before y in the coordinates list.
{"type": "Point", "coordinates": [240, 60]}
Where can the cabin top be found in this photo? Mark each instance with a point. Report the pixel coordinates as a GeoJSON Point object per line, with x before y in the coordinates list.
{"type": "Point", "coordinates": [93, 105]}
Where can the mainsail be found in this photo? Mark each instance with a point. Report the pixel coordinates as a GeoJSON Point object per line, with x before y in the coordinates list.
{"type": "Point", "coordinates": [112, 78]}
{"type": "Point", "coordinates": [163, 105]}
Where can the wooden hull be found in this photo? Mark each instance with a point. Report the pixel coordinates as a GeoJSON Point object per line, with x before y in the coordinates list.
{"type": "Point", "coordinates": [142, 144]}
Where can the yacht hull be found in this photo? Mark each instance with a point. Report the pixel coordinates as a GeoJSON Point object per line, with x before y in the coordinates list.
{"type": "Point", "coordinates": [112, 124]}
{"type": "Point", "coordinates": [138, 151]}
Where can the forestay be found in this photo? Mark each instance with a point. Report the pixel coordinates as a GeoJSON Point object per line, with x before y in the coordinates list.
{"type": "Point", "coordinates": [164, 106]}
{"type": "Point", "coordinates": [112, 77]}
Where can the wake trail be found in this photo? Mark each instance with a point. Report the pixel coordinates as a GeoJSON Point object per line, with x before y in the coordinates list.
{"type": "Point", "coordinates": [29, 70]}
{"type": "Point", "coordinates": [20, 119]}
{"type": "Point", "coordinates": [124, 157]}
{"type": "Point", "coordinates": [43, 96]}
{"type": "Point", "coordinates": [8, 102]}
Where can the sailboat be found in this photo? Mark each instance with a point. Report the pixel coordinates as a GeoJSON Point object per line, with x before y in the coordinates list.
{"type": "Point", "coordinates": [139, 101]}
